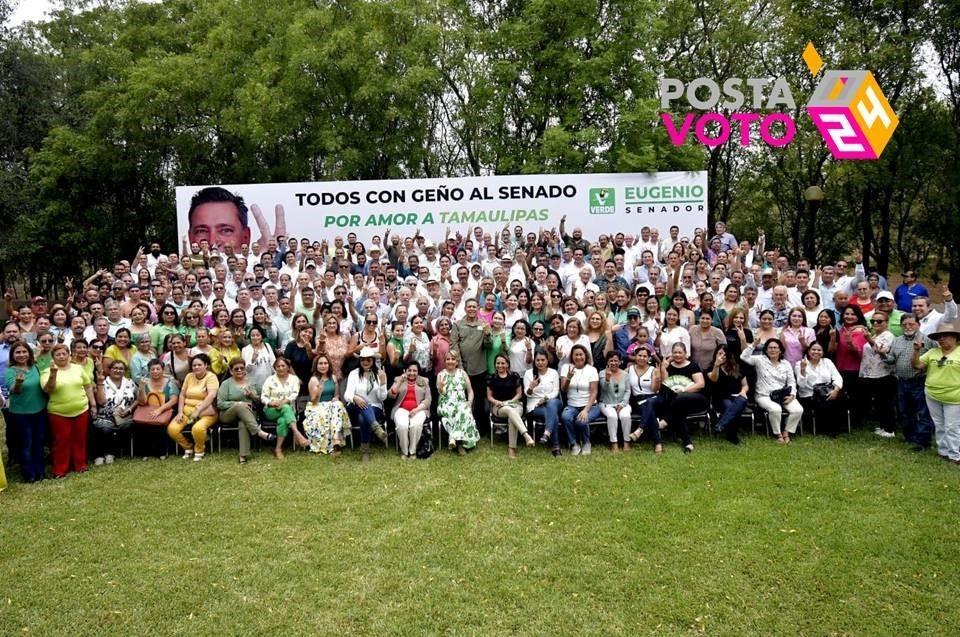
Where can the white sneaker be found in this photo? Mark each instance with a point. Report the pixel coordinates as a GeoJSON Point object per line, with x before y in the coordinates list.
{"type": "Point", "coordinates": [109, 459]}
{"type": "Point", "coordinates": [575, 450]}
{"type": "Point", "coordinates": [586, 448]}
{"type": "Point", "coordinates": [883, 433]}
{"type": "Point", "coordinates": [187, 454]}
{"type": "Point", "coordinates": [197, 457]}
{"type": "Point", "coordinates": [663, 424]}
{"type": "Point", "coordinates": [98, 461]}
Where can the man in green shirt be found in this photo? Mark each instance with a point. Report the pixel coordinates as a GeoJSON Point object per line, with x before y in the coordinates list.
{"type": "Point", "coordinates": [467, 339]}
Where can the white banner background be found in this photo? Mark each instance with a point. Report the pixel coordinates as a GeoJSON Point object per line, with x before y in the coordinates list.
{"type": "Point", "coordinates": [597, 203]}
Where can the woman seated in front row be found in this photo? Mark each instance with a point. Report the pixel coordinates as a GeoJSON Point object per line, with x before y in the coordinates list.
{"type": "Point", "coordinates": [411, 393]}
{"type": "Point", "coordinates": [776, 387]}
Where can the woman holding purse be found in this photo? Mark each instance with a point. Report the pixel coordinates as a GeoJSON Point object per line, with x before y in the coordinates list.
{"type": "Point", "coordinates": [156, 401]}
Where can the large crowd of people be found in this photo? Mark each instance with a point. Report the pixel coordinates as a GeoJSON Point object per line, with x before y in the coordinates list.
{"type": "Point", "coordinates": [544, 336]}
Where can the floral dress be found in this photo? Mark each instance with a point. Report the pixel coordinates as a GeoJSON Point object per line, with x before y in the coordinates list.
{"type": "Point", "coordinates": [325, 421]}
{"type": "Point", "coordinates": [455, 410]}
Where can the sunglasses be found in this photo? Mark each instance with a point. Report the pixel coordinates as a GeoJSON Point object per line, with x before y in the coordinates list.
{"type": "Point", "coordinates": [371, 322]}
{"type": "Point", "coordinates": [877, 321]}
{"type": "Point", "coordinates": [168, 313]}
{"type": "Point", "coordinates": [96, 347]}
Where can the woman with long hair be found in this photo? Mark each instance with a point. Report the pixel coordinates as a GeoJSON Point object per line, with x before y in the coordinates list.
{"type": "Point", "coordinates": [580, 380]}
{"type": "Point", "coordinates": [826, 333]}
{"type": "Point", "coordinates": [796, 336]}
{"type": "Point", "coordinates": [600, 337]}
{"type": "Point", "coordinates": [819, 385]}
{"type": "Point", "coordinates": [851, 339]}
{"type": "Point", "coordinates": [645, 379]}
{"type": "Point", "coordinates": [541, 384]}
{"type": "Point", "coordinates": [455, 405]}
{"type": "Point", "coordinates": [504, 388]}
{"type": "Point", "coordinates": [324, 418]}
{"type": "Point", "coordinates": [27, 410]}
{"type": "Point", "coordinates": [672, 333]}
{"type": "Point", "coordinates": [366, 390]}
{"type": "Point", "coordinates": [167, 324]}
{"type": "Point", "coordinates": [334, 344]}
{"type": "Point", "coordinates": [121, 350]}
{"type": "Point", "coordinates": [615, 400]}
{"type": "Point", "coordinates": [729, 388]}
{"type": "Point", "coordinates": [258, 356]}
{"type": "Point", "coordinates": [279, 397]}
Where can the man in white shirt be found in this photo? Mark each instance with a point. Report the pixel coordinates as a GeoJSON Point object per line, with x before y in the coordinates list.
{"type": "Point", "coordinates": [929, 317]}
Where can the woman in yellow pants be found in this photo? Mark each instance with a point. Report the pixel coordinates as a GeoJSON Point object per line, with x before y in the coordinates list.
{"type": "Point", "coordinates": [197, 397]}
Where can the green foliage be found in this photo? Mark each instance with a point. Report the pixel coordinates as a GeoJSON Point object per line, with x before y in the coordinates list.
{"type": "Point", "coordinates": [109, 105]}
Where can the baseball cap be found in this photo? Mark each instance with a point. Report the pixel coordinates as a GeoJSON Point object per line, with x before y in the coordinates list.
{"type": "Point", "coordinates": [310, 263]}
{"type": "Point", "coordinates": [633, 312]}
{"type": "Point", "coordinates": [885, 295]}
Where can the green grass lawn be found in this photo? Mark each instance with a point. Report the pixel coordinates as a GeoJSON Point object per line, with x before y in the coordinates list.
{"type": "Point", "coordinates": [855, 536]}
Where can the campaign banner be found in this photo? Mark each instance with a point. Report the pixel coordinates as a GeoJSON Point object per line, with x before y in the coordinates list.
{"type": "Point", "coordinates": [596, 203]}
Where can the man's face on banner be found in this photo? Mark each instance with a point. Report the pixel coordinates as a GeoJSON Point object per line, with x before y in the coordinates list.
{"type": "Point", "coordinates": [219, 224]}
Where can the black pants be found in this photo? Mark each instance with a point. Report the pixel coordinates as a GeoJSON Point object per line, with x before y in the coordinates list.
{"type": "Point", "coordinates": [479, 384]}
{"type": "Point", "coordinates": [852, 398]}
{"type": "Point", "coordinates": [882, 394]}
{"type": "Point", "coordinates": [831, 419]}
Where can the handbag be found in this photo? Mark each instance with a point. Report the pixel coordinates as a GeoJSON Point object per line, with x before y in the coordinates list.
{"type": "Point", "coordinates": [780, 396]}
{"type": "Point", "coordinates": [822, 391]}
{"type": "Point", "coordinates": [143, 414]}
{"type": "Point", "coordinates": [425, 447]}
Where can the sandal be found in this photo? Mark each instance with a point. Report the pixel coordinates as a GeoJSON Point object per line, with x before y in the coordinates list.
{"type": "Point", "coordinates": [243, 460]}
{"type": "Point", "coordinates": [658, 449]}
{"type": "Point", "coordinates": [635, 435]}
{"type": "Point", "coordinates": [529, 440]}
{"type": "Point", "coordinates": [545, 438]}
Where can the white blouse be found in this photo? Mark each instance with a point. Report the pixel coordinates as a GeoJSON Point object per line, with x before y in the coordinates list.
{"type": "Point", "coordinates": [548, 388]}
{"type": "Point", "coordinates": [578, 390]}
{"type": "Point", "coordinates": [823, 372]}
{"type": "Point", "coordinates": [641, 385]}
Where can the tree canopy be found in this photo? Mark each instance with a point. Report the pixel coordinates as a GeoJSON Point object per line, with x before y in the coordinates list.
{"type": "Point", "coordinates": [108, 105]}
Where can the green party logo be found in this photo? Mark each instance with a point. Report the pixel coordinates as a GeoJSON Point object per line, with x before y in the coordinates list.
{"type": "Point", "coordinates": [603, 201]}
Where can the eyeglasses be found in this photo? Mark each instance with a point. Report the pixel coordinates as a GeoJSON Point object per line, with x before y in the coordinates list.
{"type": "Point", "coordinates": [877, 321]}
{"type": "Point", "coordinates": [168, 313]}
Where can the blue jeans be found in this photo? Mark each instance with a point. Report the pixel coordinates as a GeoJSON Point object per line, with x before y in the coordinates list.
{"type": "Point", "coordinates": [31, 431]}
{"type": "Point", "coordinates": [578, 432]}
{"type": "Point", "coordinates": [730, 409]}
{"type": "Point", "coordinates": [915, 421]}
{"type": "Point", "coordinates": [648, 417]}
{"type": "Point", "coordinates": [366, 418]}
{"type": "Point", "coordinates": [549, 412]}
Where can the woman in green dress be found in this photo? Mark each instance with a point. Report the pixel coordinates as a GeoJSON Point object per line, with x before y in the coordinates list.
{"type": "Point", "coordinates": [456, 399]}
{"type": "Point", "coordinates": [324, 418]}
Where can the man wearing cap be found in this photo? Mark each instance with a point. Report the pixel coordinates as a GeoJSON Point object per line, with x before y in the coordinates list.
{"type": "Point", "coordinates": [943, 387]}
{"type": "Point", "coordinates": [39, 306]}
{"type": "Point", "coordinates": [929, 317]}
{"type": "Point", "coordinates": [623, 337]}
{"type": "Point", "coordinates": [765, 289]}
{"type": "Point", "coordinates": [884, 303]}
{"type": "Point", "coordinates": [909, 290]}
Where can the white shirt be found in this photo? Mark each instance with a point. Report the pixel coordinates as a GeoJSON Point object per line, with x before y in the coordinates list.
{"type": "Point", "coordinates": [578, 389]}
{"type": "Point", "coordinates": [548, 388]}
{"type": "Point", "coordinates": [823, 372]}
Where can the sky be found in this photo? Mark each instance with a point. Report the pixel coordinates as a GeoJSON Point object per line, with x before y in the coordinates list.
{"type": "Point", "coordinates": [30, 11]}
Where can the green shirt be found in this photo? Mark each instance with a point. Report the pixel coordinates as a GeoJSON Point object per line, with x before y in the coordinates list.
{"type": "Point", "coordinates": [31, 399]}
{"type": "Point", "coordinates": [230, 393]}
{"type": "Point", "coordinates": [943, 376]}
{"type": "Point", "coordinates": [68, 397]}
{"type": "Point", "coordinates": [499, 344]}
